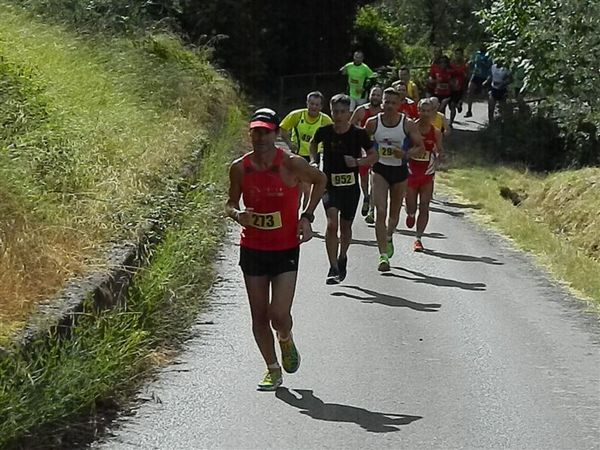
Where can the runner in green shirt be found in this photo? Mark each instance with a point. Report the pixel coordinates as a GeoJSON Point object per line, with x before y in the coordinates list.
{"type": "Point", "coordinates": [357, 72]}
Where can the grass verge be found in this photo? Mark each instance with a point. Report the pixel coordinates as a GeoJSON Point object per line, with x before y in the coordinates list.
{"type": "Point", "coordinates": [48, 389]}
{"type": "Point", "coordinates": [556, 218]}
{"type": "Point", "coordinates": [92, 129]}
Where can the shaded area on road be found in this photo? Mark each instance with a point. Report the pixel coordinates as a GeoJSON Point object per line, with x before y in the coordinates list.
{"type": "Point", "coordinates": [436, 281]}
{"type": "Point", "coordinates": [387, 300]}
{"type": "Point", "coordinates": [464, 258]}
{"type": "Point", "coordinates": [313, 406]}
{"type": "Point", "coordinates": [446, 211]}
{"type": "Point", "coordinates": [412, 233]}
{"type": "Point", "coordinates": [457, 205]}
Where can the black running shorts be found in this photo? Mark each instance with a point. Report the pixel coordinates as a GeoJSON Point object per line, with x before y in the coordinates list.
{"type": "Point", "coordinates": [456, 97]}
{"type": "Point", "coordinates": [258, 263]}
{"type": "Point", "coordinates": [392, 174]}
{"type": "Point", "coordinates": [499, 94]}
{"type": "Point", "coordinates": [345, 199]}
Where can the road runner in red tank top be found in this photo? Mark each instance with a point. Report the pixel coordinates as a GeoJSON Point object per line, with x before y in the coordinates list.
{"type": "Point", "coordinates": [421, 172]}
{"type": "Point", "coordinates": [266, 180]}
{"type": "Point", "coordinates": [360, 117]}
{"type": "Point", "coordinates": [406, 105]}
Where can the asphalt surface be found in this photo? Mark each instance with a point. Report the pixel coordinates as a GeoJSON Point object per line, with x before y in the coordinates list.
{"type": "Point", "coordinates": [469, 345]}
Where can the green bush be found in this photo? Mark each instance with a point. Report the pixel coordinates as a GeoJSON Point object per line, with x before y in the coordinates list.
{"type": "Point", "coordinates": [556, 42]}
{"type": "Point", "coordinates": [539, 142]}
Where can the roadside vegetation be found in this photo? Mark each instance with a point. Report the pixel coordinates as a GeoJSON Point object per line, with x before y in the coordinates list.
{"type": "Point", "coordinates": [533, 173]}
{"type": "Point", "coordinates": [96, 129]}
{"type": "Point", "coordinates": [63, 388]}
{"type": "Point", "coordinates": [554, 216]}
{"type": "Point", "coordinates": [93, 128]}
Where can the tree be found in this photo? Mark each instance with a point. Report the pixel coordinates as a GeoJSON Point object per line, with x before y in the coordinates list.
{"type": "Point", "coordinates": [558, 44]}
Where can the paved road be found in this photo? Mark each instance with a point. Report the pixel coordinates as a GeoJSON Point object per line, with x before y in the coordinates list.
{"type": "Point", "coordinates": [467, 346]}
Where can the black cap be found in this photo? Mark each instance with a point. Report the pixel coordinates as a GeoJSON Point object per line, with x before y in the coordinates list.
{"type": "Point", "coordinates": [265, 118]}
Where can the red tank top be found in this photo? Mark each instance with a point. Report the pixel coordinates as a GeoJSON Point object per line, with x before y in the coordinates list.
{"type": "Point", "coordinates": [368, 115]}
{"type": "Point", "coordinates": [459, 76]}
{"type": "Point", "coordinates": [443, 78]}
{"type": "Point", "coordinates": [409, 108]}
{"type": "Point", "coordinates": [275, 207]}
{"type": "Point", "coordinates": [425, 164]}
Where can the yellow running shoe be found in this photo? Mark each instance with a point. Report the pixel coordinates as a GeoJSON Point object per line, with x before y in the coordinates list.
{"type": "Point", "coordinates": [384, 264]}
{"type": "Point", "coordinates": [289, 356]}
{"type": "Point", "coordinates": [390, 247]}
{"type": "Point", "coordinates": [271, 381]}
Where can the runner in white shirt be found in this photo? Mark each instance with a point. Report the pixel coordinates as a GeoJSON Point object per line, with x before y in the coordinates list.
{"type": "Point", "coordinates": [390, 130]}
{"type": "Point", "coordinates": [500, 78]}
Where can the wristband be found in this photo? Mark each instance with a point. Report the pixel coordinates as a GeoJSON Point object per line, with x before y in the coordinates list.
{"type": "Point", "coordinates": [308, 216]}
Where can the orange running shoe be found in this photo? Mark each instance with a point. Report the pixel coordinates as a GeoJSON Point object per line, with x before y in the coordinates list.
{"type": "Point", "coordinates": [418, 246]}
{"type": "Point", "coordinates": [410, 221]}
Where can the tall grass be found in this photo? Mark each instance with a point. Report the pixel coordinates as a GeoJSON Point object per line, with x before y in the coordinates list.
{"type": "Point", "coordinates": [557, 221]}
{"type": "Point", "coordinates": [92, 131]}
{"type": "Point", "coordinates": [54, 388]}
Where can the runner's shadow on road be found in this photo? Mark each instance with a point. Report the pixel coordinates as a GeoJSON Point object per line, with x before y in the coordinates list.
{"type": "Point", "coordinates": [464, 258]}
{"type": "Point", "coordinates": [426, 235]}
{"type": "Point", "coordinates": [387, 300]}
{"type": "Point", "coordinates": [367, 243]}
{"type": "Point", "coordinates": [457, 205]}
{"type": "Point", "coordinates": [446, 211]}
{"type": "Point", "coordinates": [312, 406]}
{"type": "Point", "coordinates": [436, 281]}
{"type": "Point", "coordinates": [412, 233]}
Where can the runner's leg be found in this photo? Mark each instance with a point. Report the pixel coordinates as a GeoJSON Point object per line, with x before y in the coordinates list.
{"type": "Point", "coordinates": [345, 237]}
{"type": "Point", "coordinates": [284, 287]}
{"type": "Point", "coordinates": [470, 93]}
{"type": "Point", "coordinates": [331, 236]}
{"type": "Point", "coordinates": [380, 200]}
{"type": "Point", "coordinates": [411, 206]}
{"type": "Point", "coordinates": [258, 296]}
{"type": "Point", "coordinates": [397, 192]}
{"type": "Point", "coordinates": [491, 107]}
{"type": "Point", "coordinates": [453, 106]}
{"type": "Point", "coordinates": [425, 195]}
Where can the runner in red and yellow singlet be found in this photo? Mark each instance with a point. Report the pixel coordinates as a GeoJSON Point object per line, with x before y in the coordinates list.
{"type": "Point", "coordinates": [405, 106]}
{"type": "Point", "coordinates": [267, 181]}
{"type": "Point", "coordinates": [421, 172]}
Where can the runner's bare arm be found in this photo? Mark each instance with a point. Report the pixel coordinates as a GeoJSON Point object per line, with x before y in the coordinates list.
{"type": "Point", "coordinates": [314, 147]}
{"type": "Point", "coordinates": [418, 147]}
{"type": "Point", "coordinates": [285, 136]}
{"type": "Point", "coordinates": [308, 174]}
{"type": "Point", "coordinates": [370, 159]}
{"type": "Point", "coordinates": [371, 125]}
{"type": "Point", "coordinates": [446, 126]}
{"type": "Point", "coordinates": [357, 116]}
{"type": "Point", "coordinates": [438, 141]}
{"type": "Point", "coordinates": [232, 207]}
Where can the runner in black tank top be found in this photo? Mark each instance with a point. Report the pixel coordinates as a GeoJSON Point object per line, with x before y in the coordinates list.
{"type": "Point", "coordinates": [343, 145]}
